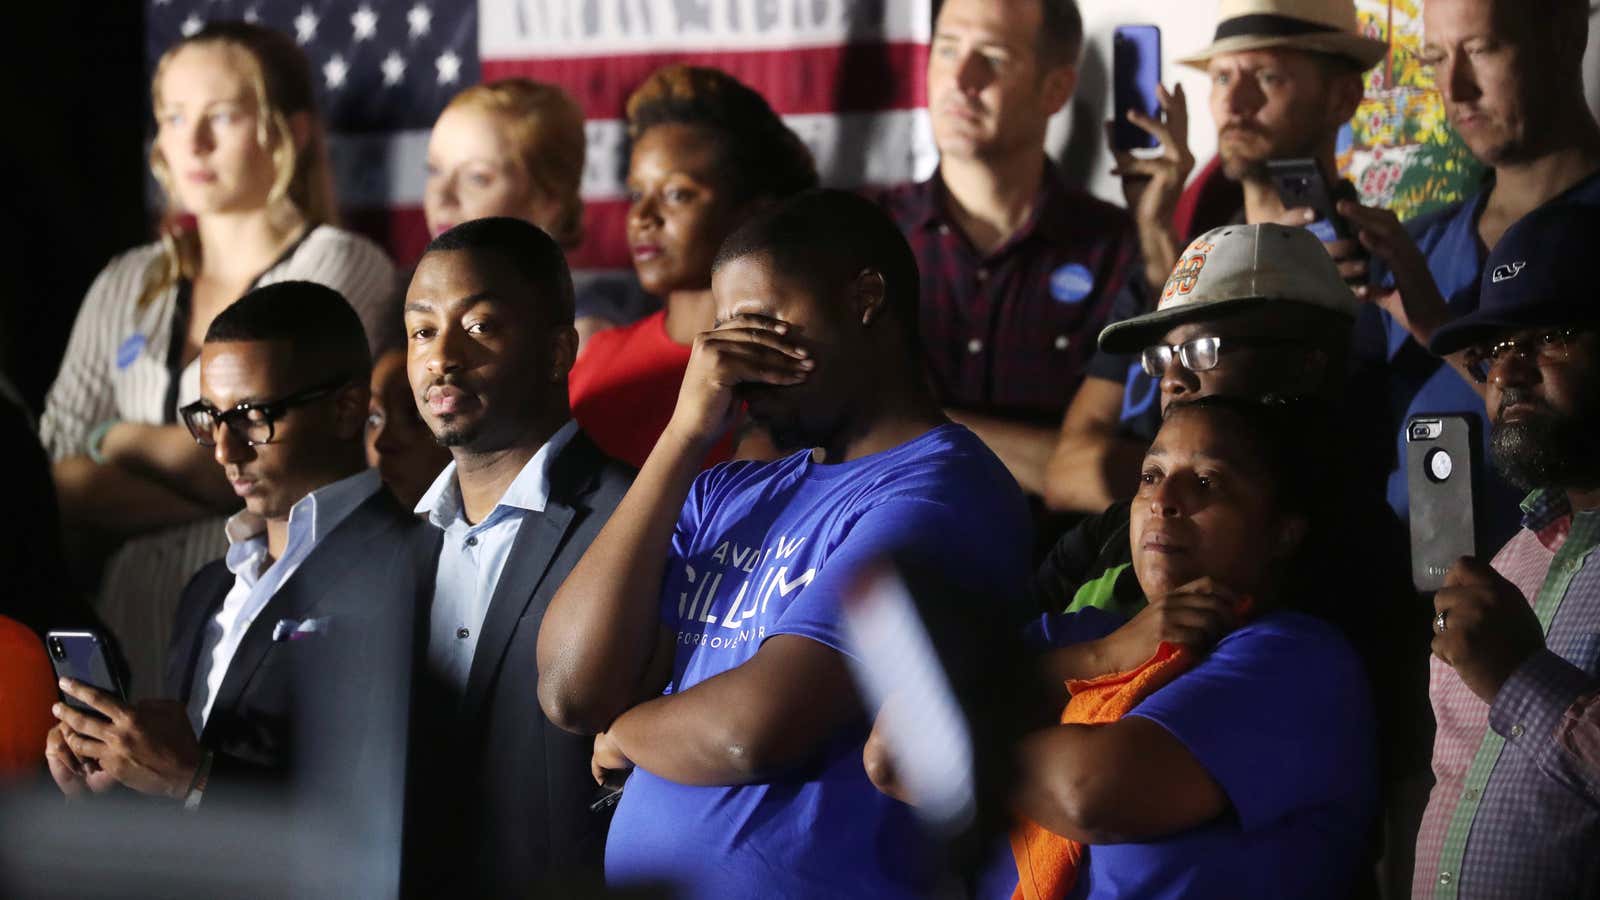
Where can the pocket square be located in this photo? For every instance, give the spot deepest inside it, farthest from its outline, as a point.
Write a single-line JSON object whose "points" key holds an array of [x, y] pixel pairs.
{"points": [[297, 629]]}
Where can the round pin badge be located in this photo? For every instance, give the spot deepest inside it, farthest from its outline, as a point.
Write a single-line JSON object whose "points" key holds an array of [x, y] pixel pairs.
{"points": [[129, 350], [1071, 283], [1139, 392]]}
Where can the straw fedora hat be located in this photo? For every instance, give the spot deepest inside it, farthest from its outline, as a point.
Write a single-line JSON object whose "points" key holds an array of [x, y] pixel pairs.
{"points": [[1321, 26]]}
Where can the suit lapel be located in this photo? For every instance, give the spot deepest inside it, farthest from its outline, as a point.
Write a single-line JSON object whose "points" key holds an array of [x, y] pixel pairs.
{"points": [[540, 538], [315, 579], [200, 602]]}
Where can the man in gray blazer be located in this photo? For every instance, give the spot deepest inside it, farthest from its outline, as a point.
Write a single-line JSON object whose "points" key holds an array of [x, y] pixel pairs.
{"points": [[501, 797]]}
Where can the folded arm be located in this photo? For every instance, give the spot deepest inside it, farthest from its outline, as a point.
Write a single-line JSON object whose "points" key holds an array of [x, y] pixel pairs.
{"points": [[601, 630], [597, 641], [169, 456], [108, 497], [1102, 784], [1091, 465], [769, 714], [1025, 449]]}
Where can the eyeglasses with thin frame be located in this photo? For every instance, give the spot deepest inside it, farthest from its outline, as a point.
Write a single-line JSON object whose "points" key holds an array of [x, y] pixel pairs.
{"points": [[1203, 353], [1542, 348], [255, 423]]}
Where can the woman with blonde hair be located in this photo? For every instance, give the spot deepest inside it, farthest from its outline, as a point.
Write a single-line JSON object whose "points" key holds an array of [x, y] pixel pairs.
{"points": [[516, 148], [240, 153]]}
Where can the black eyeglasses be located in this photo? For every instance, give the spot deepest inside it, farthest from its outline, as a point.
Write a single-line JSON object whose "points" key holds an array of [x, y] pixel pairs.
{"points": [[1543, 348], [253, 423], [1201, 354]]}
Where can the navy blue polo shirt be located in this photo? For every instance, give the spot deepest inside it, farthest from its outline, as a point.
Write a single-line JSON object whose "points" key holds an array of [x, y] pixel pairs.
{"points": [[1417, 382]]}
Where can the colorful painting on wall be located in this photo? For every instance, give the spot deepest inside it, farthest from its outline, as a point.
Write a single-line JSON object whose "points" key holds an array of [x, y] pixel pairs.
{"points": [[1398, 149]]}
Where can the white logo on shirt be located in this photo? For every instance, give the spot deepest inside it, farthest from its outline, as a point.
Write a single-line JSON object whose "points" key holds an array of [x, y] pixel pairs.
{"points": [[1507, 271], [698, 607]]}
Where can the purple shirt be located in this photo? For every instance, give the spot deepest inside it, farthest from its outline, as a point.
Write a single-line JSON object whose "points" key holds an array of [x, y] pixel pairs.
{"points": [[1012, 334]]}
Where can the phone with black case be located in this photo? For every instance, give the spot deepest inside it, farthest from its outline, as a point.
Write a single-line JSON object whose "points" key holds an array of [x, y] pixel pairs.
{"points": [[1442, 466], [84, 656], [1301, 182]]}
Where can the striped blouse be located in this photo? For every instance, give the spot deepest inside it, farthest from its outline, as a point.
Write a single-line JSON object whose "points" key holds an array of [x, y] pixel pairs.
{"points": [[116, 367]]}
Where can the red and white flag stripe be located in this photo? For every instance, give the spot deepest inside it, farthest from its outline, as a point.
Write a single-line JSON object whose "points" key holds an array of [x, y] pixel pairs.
{"points": [[846, 75]]}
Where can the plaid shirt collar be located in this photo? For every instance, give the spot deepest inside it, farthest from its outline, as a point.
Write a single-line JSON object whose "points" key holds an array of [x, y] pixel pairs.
{"points": [[1548, 514], [1048, 217]]}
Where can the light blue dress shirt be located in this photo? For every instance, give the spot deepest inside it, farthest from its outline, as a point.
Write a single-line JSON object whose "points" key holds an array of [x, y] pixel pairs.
{"points": [[255, 581], [473, 556]]}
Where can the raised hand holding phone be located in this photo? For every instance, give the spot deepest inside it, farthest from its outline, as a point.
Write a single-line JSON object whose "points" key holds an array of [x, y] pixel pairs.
{"points": [[1135, 85], [1146, 116]]}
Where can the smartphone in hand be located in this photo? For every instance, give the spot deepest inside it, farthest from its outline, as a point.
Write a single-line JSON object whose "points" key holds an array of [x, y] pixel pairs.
{"points": [[84, 656], [1135, 78], [1441, 466], [610, 793], [1300, 182]]}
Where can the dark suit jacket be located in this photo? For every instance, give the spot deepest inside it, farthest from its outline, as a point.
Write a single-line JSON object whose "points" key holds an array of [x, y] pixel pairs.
{"points": [[503, 808], [364, 578]]}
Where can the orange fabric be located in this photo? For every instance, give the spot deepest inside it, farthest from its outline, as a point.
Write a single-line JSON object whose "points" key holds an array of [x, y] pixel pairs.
{"points": [[1047, 863], [27, 691]]}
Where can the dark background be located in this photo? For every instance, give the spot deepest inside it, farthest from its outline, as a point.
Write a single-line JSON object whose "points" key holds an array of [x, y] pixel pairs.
{"points": [[75, 91]]}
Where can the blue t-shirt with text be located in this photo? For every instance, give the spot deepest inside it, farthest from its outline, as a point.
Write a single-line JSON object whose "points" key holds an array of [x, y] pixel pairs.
{"points": [[763, 549]]}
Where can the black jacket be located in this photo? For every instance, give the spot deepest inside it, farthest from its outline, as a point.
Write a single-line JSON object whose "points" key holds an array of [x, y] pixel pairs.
{"points": [[501, 796], [361, 582]]}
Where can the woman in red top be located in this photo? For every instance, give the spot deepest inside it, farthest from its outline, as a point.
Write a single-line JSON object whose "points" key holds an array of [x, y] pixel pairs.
{"points": [[707, 153]]}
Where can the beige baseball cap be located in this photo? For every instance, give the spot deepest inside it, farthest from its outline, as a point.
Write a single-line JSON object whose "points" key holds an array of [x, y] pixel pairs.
{"points": [[1320, 26], [1233, 267]]}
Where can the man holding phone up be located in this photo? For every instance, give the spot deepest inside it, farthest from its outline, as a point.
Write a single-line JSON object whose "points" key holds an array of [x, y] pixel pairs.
{"points": [[320, 554], [1515, 808], [1285, 77]]}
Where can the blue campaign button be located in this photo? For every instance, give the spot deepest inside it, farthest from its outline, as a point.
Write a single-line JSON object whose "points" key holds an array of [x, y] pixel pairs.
{"points": [[1139, 391], [1071, 283], [129, 350]]}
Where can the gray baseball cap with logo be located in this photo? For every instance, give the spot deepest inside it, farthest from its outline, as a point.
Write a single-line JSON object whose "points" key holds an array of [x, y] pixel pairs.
{"points": [[1230, 269]]}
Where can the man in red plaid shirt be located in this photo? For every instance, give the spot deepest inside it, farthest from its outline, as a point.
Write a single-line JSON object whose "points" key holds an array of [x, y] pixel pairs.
{"points": [[1019, 271]]}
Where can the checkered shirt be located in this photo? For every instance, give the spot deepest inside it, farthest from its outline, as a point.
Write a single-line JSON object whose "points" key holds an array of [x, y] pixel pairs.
{"points": [[1012, 334], [1515, 811]]}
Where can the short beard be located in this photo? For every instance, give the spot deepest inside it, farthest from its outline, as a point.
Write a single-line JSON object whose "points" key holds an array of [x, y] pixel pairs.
{"points": [[1547, 450], [457, 436], [1243, 170]]}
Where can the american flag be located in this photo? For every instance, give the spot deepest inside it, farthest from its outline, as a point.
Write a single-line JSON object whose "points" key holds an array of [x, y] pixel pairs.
{"points": [[847, 75]]}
